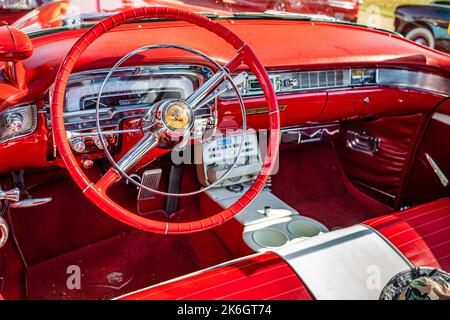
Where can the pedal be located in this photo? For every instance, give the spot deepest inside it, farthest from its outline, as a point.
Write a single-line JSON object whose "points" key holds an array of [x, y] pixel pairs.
{"points": [[150, 179]]}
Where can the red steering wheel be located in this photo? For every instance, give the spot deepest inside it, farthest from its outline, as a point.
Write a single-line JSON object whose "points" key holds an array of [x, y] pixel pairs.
{"points": [[97, 192]]}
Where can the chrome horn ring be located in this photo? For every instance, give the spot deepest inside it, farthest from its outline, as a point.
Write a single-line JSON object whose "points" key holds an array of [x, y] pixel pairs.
{"points": [[196, 96]]}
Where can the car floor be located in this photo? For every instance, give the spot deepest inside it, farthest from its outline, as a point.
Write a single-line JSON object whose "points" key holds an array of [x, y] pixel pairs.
{"points": [[311, 180], [113, 259]]}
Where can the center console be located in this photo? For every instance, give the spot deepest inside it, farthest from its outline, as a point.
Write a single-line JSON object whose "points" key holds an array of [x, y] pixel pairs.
{"points": [[268, 222], [219, 155]]}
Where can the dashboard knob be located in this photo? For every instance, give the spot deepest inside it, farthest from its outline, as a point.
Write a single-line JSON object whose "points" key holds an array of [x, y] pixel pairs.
{"points": [[15, 122], [87, 163], [78, 145], [98, 142]]}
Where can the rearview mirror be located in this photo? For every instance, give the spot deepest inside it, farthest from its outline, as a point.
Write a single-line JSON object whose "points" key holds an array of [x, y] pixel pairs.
{"points": [[15, 45]]}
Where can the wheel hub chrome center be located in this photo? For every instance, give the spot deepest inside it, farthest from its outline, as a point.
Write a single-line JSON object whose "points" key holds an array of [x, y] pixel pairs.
{"points": [[170, 116], [177, 116]]}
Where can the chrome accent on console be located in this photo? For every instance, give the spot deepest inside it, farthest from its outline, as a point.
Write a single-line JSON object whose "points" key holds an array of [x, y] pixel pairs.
{"points": [[440, 174], [362, 142]]}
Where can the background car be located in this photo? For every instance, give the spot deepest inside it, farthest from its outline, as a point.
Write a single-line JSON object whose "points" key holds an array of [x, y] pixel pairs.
{"points": [[425, 24], [341, 9], [53, 13], [11, 10]]}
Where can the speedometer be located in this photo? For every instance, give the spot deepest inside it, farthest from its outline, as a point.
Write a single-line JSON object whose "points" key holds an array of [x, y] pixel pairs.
{"points": [[129, 91]]}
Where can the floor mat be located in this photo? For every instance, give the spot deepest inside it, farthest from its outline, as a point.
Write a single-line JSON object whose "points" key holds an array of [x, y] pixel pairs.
{"points": [[310, 179], [112, 267]]}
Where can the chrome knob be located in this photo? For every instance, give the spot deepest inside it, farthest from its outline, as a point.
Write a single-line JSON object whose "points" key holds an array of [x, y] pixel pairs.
{"points": [[77, 145], [15, 122], [87, 163], [10, 195], [98, 142], [267, 210]]}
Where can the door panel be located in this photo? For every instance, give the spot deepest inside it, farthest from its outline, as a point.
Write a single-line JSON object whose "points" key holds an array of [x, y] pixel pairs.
{"points": [[380, 172], [431, 165]]}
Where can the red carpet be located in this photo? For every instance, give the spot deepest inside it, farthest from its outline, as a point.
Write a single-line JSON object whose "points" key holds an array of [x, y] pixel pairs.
{"points": [[122, 264], [310, 180], [72, 231]]}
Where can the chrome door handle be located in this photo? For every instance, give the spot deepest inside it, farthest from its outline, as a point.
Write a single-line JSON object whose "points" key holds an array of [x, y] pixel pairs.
{"points": [[362, 142]]}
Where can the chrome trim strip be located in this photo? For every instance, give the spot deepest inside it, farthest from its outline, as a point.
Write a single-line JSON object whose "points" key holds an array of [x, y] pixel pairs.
{"points": [[385, 77], [440, 174], [414, 79], [443, 118]]}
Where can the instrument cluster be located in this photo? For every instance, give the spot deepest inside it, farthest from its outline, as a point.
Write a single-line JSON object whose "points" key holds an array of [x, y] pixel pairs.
{"points": [[129, 93]]}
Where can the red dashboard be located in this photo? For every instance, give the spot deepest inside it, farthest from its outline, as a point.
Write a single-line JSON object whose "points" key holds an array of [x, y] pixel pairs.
{"points": [[310, 46]]}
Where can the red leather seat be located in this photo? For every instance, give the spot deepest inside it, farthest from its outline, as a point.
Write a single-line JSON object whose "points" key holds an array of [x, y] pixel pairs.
{"points": [[421, 233], [261, 277]]}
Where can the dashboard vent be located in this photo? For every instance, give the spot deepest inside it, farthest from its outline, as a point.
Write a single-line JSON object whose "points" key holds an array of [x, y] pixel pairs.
{"points": [[323, 79], [287, 82]]}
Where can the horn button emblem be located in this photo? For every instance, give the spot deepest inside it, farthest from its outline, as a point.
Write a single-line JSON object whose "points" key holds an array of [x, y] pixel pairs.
{"points": [[177, 116], [170, 120]]}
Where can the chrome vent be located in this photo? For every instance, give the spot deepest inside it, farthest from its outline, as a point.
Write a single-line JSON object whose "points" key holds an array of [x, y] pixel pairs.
{"points": [[17, 121], [323, 79]]}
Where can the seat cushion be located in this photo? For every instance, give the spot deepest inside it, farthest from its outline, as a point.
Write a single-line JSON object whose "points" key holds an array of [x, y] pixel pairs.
{"points": [[258, 277], [421, 233]]}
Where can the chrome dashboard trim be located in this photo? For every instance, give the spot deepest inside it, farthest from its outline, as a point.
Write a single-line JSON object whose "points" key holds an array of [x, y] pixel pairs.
{"points": [[385, 77], [417, 80], [34, 114]]}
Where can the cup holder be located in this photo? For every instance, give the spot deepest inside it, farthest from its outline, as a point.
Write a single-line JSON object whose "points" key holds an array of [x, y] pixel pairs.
{"points": [[270, 238], [303, 229]]}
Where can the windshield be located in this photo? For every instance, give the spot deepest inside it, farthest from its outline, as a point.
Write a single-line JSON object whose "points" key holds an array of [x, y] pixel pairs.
{"points": [[419, 20]]}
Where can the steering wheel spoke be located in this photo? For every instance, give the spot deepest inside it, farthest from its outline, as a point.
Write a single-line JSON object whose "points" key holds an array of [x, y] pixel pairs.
{"points": [[137, 152], [216, 85], [207, 88]]}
